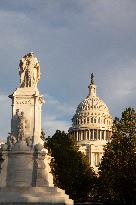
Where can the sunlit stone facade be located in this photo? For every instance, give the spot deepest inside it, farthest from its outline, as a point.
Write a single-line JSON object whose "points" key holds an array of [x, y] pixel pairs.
{"points": [[92, 126]]}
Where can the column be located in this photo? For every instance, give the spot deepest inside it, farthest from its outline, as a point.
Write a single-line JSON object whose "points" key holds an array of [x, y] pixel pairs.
{"points": [[93, 134], [86, 134], [81, 134], [97, 134], [104, 134], [77, 136], [100, 135], [89, 134], [89, 153]]}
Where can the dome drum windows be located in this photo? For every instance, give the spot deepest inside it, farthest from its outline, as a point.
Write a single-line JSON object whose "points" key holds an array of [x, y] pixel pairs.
{"points": [[91, 134], [79, 135], [102, 134], [95, 134], [88, 134], [84, 134], [99, 134]]}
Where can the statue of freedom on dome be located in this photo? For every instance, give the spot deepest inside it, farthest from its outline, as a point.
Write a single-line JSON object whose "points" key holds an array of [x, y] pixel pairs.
{"points": [[29, 71], [92, 78]]}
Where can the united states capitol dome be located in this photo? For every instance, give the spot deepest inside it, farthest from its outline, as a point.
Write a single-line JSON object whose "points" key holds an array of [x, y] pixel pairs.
{"points": [[92, 126], [92, 120]]}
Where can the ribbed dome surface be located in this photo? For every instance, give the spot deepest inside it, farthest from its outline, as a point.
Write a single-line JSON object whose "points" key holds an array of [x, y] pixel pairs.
{"points": [[92, 103], [92, 112]]}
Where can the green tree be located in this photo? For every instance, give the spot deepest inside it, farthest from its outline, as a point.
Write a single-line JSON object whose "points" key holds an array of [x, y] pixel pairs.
{"points": [[70, 168], [117, 171]]}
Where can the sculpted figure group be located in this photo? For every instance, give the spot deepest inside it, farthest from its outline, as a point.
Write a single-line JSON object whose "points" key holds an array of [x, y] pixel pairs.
{"points": [[21, 125], [29, 71]]}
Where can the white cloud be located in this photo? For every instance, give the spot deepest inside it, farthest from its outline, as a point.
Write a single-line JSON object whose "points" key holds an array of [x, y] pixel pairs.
{"points": [[13, 26], [59, 107], [120, 88], [51, 124], [116, 14], [56, 115]]}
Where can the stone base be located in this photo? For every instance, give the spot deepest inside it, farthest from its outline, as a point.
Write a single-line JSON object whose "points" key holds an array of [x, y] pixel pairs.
{"points": [[24, 178], [33, 195]]}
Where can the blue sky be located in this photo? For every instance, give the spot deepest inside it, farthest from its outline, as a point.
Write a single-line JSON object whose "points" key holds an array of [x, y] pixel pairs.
{"points": [[71, 39]]}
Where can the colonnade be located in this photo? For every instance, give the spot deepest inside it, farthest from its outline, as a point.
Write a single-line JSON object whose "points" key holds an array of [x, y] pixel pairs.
{"points": [[91, 134]]}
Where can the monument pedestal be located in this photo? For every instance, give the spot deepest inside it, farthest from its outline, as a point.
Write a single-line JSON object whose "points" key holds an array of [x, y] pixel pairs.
{"points": [[34, 195], [24, 179], [29, 102]]}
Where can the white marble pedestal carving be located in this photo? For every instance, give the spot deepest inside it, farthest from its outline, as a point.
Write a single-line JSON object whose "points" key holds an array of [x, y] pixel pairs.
{"points": [[29, 101]]}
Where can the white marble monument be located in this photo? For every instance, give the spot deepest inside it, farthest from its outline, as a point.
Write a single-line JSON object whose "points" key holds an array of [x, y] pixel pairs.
{"points": [[27, 102], [24, 167]]}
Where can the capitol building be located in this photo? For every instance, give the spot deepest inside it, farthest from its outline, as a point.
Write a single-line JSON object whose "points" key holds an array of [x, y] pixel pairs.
{"points": [[92, 126]]}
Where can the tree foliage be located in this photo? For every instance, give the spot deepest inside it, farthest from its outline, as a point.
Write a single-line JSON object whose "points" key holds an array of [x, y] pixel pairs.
{"points": [[70, 168], [117, 171]]}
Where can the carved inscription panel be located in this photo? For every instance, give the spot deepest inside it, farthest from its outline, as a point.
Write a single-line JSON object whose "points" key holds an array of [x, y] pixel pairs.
{"points": [[24, 102]]}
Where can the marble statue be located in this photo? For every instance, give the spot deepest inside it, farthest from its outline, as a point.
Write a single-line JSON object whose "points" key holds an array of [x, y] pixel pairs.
{"points": [[21, 127], [29, 71], [11, 140], [19, 132]]}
